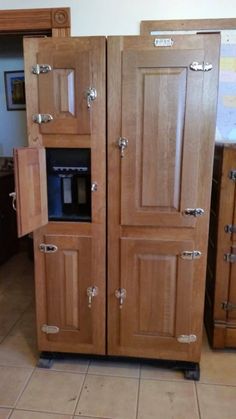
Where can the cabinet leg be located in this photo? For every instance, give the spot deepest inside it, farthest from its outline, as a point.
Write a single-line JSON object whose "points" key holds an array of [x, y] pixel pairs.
{"points": [[45, 360]]}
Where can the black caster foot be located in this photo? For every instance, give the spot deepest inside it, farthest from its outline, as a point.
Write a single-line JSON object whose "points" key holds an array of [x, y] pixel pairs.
{"points": [[192, 373], [45, 361]]}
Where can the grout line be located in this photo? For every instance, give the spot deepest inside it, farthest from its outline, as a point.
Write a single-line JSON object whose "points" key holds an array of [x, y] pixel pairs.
{"points": [[79, 395], [139, 383], [198, 402], [24, 387], [15, 324]]}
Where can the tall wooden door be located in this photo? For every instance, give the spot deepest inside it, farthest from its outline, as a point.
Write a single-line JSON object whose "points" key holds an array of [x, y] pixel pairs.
{"points": [[65, 95], [160, 156]]}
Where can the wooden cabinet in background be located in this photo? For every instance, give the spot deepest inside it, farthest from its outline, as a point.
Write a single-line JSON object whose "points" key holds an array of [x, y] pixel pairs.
{"points": [[220, 305]]}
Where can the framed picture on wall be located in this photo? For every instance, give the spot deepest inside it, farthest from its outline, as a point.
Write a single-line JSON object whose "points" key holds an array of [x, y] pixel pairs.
{"points": [[15, 90]]}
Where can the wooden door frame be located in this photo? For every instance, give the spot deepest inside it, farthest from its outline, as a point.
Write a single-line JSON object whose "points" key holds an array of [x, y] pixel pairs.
{"points": [[54, 20], [147, 26]]}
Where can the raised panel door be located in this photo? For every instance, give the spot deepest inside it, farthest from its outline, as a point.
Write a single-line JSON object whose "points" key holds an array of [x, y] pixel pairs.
{"points": [[62, 282]]}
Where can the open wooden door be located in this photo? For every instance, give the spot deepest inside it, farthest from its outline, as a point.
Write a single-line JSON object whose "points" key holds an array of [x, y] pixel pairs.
{"points": [[160, 153], [31, 189]]}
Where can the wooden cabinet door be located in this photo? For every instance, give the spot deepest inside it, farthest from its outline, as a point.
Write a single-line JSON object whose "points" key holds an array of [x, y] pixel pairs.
{"points": [[71, 68], [31, 189], [63, 279], [165, 120]]}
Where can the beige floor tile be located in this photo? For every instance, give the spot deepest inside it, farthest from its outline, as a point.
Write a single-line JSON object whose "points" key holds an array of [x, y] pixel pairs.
{"points": [[167, 400], [51, 391], [157, 373], [71, 365], [5, 413], [89, 417], [108, 397], [26, 325], [114, 368], [218, 367], [8, 318], [26, 414], [217, 402], [12, 383], [18, 351]]}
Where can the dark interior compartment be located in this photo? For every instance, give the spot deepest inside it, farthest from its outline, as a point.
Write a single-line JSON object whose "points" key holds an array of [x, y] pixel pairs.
{"points": [[69, 184]]}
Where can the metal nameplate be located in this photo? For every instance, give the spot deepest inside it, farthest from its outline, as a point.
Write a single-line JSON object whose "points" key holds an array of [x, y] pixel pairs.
{"points": [[163, 42]]}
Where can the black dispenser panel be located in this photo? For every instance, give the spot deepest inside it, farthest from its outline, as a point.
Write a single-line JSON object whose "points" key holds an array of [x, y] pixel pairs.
{"points": [[69, 184]]}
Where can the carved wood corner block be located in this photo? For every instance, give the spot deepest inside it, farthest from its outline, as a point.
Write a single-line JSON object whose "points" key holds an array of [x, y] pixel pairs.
{"points": [[60, 18]]}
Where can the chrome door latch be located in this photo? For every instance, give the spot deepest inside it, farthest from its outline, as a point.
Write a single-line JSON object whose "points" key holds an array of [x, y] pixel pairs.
{"points": [[196, 66], [194, 212], [187, 338], [232, 175], [121, 293], [50, 329], [42, 118], [230, 257], [48, 248], [122, 144], [13, 196], [227, 306], [41, 69], [188, 255], [91, 293], [91, 95]]}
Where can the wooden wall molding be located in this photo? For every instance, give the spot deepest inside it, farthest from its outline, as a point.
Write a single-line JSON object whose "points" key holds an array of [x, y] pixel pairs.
{"points": [[36, 19], [147, 26]]}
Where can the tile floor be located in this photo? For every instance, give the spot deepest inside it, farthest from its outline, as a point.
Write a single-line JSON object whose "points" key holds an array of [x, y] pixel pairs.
{"points": [[92, 389]]}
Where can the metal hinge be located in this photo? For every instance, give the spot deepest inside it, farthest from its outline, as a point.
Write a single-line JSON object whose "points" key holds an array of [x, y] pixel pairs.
{"points": [[50, 329], [227, 306], [230, 257], [190, 255], [232, 175], [47, 248], [187, 338], [163, 42], [196, 66], [42, 118], [41, 68], [230, 228], [194, 212]]}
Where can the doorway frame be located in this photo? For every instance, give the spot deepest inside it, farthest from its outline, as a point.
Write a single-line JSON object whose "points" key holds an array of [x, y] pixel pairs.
{"points": [[56, 20]]}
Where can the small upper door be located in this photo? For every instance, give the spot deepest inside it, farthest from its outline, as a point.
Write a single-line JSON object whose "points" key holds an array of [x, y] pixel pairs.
{"points": [[162, 108], [31, 189], [67, 76]]}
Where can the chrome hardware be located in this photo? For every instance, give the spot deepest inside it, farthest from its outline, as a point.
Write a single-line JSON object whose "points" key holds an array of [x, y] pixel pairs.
{"points": [[48, 248], [42, 118], [232, 175], [187, 338], [91, 293], [227, 306], [50, 329], [41, 68], [94, 187], [163, 42], [91, 95], [230, 228], [13, 196], [188, 255], [195, 66], [122, 144], [194, 212], [230, 257], [120, 293]]}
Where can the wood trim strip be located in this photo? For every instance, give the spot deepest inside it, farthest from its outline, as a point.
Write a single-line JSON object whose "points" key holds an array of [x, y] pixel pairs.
{"points": [[147, 26], [32, 19]]}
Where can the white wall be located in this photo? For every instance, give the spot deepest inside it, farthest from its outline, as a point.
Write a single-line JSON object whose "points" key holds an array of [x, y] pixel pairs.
{"points": [[12, 123], [122, 17]]}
